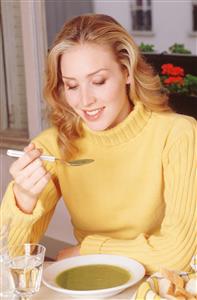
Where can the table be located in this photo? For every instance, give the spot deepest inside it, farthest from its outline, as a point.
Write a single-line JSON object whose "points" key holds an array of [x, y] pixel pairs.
{"points": [[49, 294]]}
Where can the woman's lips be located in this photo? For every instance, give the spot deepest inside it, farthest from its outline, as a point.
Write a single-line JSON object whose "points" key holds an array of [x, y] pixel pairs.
{"points": [[94, 114]]}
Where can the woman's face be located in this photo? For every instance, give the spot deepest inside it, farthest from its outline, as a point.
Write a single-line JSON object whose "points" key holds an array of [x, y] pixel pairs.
{"points": [[95, 85]]}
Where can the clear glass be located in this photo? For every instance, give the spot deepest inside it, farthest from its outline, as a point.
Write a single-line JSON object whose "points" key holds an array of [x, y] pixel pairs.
{"points": [[6, 283], [26, 264]]}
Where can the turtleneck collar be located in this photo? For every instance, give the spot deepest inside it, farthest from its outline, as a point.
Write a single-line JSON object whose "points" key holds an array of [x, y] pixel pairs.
{"points": [[127, 129]]}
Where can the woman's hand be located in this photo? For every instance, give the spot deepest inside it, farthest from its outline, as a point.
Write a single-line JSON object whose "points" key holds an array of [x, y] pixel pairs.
{"points": [[68, 252], [30, 178]]}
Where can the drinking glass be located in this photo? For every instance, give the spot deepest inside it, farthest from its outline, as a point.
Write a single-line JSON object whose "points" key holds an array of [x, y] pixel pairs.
{"points": [[6, 283], [26, 264]]}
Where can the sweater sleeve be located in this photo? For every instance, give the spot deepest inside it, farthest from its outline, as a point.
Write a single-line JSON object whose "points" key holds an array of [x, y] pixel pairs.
{"points": [[175, 244], [30, 227]]}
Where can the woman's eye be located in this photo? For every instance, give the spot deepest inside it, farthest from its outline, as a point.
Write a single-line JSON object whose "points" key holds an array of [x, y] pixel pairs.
{"points": [[99, 82], [71, 87]]}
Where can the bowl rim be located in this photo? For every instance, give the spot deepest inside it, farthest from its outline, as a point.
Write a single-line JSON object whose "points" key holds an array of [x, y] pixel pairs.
{"points": [[132, 281]]}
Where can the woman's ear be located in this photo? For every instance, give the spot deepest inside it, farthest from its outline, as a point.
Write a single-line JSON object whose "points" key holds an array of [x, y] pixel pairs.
{"points": [[127, 76], [128, 80]]}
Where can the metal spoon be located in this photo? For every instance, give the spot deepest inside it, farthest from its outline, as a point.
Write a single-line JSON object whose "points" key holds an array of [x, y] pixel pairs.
{"points": [[73, 163]]}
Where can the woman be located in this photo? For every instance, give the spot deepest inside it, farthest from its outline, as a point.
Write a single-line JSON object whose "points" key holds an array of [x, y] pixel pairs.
{"points": [[138, 196]]}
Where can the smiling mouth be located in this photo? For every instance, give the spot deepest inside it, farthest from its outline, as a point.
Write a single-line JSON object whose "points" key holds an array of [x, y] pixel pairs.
{"points": [[92, 115]]}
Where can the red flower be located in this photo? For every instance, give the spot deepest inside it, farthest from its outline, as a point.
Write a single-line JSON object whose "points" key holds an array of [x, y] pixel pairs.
{"points": [[174, 80], [177, 71], [170, 69], [166, 69]]}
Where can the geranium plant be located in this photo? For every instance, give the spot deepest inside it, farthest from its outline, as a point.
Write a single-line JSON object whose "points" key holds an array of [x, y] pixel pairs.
{"points": [[174, 80], [179, 48], [146, 47]]}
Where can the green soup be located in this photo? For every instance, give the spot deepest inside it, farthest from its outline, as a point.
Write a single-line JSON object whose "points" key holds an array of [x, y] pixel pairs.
{"points": [[92, 277]]}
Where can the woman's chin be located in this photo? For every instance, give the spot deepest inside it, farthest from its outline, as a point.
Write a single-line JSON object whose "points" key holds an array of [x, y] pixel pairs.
{"points": [[97, 126]]}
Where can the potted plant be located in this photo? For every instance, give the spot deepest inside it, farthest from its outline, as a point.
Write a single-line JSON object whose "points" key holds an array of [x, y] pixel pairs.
{"points": [[146, 48], [179, 48], [181, 87]]}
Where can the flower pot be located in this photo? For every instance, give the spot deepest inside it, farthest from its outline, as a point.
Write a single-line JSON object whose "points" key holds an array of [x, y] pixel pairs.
{"points": [[187, 61], [184, 104]]}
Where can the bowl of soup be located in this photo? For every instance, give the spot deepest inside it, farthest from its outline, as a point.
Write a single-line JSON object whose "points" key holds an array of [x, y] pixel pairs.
{"points": [[89, 276]]}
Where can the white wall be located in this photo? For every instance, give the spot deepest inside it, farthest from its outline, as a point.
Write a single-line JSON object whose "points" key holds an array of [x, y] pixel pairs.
{"points": [[5, 177], [60, 227], [117, 9], [172, 22]]}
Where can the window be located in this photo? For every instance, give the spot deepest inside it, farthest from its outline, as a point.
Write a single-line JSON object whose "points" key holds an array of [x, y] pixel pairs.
{"points": [[141, 14], [194, 16], [13, 96], [22, 55]]}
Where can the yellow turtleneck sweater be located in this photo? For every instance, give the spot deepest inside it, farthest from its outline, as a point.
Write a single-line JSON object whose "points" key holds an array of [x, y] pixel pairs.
{"points": [[137, 199]]}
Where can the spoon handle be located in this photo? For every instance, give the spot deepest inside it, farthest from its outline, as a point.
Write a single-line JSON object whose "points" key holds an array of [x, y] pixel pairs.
{"points": [[17, 153], [74, 163]]}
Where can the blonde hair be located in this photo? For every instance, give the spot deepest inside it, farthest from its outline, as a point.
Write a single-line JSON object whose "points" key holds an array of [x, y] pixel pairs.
{"points": [[102, 30]]}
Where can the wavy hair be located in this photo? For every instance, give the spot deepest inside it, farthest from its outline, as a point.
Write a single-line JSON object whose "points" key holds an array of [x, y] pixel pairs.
{"points": [[101, 30]]}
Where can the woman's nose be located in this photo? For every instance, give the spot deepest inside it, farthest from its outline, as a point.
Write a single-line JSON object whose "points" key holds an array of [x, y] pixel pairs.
{"points": [[87, 98]]}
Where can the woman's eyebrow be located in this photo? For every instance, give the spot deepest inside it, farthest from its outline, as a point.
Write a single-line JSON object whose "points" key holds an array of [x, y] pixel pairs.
{"points": [[89, 75]]}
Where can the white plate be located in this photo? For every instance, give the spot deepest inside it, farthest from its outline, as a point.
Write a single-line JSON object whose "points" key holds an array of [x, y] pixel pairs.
{"points": [[136, 270]]}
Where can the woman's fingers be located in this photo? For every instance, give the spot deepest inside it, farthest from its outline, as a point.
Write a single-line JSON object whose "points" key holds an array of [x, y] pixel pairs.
{"points": [[24, 161], [35, 187], [29, 170], [37, 175], [28, 182], [28, 157], [30, 178], [40, 185]]}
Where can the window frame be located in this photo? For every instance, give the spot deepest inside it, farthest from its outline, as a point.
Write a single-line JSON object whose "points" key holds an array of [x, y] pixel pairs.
{"points": [[194, 3], [134, 8], [34, 38]]}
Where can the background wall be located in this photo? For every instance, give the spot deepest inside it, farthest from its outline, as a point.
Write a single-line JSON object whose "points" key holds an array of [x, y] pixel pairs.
{"points": [[59, 11], [119, 10], [5, 177], [172, 22]]}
